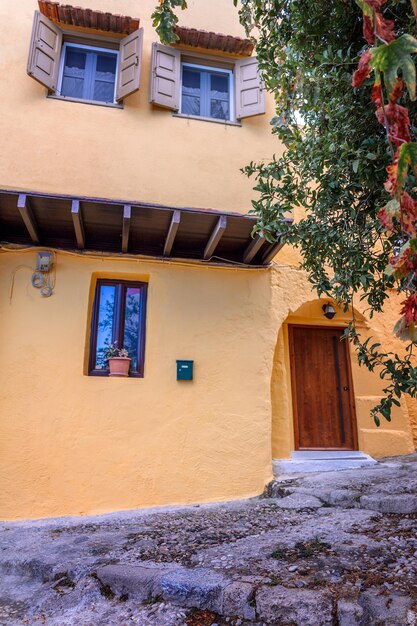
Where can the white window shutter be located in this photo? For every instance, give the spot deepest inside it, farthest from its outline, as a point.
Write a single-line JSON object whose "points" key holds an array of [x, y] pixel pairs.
{"points": [[250, 90], [166, 77], [130, 61], [44, 51]]}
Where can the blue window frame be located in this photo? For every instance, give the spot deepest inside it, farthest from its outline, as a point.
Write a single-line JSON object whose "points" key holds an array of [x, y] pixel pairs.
{"points": [[206, 92], [88, 73]]}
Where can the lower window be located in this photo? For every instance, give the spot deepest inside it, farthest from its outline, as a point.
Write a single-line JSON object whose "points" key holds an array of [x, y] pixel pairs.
{"points": [[118, 317]]}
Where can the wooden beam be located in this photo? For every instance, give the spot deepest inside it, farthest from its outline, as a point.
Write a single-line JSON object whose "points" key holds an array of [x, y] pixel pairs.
{"points": [[28, 217], [271, 252], [127, 213], [77, 220], [215, 237], [254, 247], [172, 231]]}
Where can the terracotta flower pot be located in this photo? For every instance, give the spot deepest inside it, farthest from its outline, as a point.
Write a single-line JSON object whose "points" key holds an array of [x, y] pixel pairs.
{"points": [[119, 366]]}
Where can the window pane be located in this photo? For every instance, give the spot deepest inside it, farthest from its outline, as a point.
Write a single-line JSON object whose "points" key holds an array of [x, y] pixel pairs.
{"points": [[105, 78], [219, 96], [105, 323], [72, 87], [191, 91], [131, 336], [106, 67], [219, 109], [74, 73], [75, 62], [103, 92]]}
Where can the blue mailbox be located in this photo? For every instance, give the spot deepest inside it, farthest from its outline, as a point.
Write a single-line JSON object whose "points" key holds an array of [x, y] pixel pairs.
{"points": [[184, 370]]}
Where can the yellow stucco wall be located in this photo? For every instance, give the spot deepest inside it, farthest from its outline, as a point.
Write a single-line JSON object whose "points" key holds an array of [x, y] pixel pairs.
{"points": [[140, 152], [73, 444]]}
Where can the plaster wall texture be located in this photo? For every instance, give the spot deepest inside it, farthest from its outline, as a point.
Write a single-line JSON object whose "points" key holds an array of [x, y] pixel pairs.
{"points": [[74, 444], [138, 153]]}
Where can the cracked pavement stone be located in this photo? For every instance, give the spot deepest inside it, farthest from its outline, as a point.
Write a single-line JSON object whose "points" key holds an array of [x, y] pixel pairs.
{"points": [[317, 547]]}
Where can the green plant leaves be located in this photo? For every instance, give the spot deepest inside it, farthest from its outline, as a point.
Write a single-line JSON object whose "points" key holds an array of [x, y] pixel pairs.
{"points": [[396, 55], [164, 19], [407, 157]]}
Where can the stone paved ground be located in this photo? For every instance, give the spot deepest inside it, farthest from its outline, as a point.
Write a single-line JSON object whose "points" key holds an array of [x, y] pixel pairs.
{"points": [[335, 548]]}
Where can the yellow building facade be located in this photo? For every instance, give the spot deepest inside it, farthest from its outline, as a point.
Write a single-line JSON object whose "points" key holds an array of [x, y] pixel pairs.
{"points": [[152, 177]]}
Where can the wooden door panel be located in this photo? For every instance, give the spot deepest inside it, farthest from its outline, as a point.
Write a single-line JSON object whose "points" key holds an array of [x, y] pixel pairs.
{"points": [[321, 382]]}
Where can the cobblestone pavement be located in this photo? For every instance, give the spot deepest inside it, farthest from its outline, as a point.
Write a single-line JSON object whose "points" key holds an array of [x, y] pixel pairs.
{"points": [[336, 548]]}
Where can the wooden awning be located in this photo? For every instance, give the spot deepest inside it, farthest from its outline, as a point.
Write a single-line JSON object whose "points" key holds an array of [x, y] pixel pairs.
{"points": [[135, 228], [67, 16], [214, 41]]}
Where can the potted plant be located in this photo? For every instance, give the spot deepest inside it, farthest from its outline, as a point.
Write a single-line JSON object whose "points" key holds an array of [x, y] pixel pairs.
{"points": [[118, 360]]}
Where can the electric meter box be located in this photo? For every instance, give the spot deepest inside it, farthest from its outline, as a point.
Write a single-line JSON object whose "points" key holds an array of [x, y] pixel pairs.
{"points": [[44, 261]]}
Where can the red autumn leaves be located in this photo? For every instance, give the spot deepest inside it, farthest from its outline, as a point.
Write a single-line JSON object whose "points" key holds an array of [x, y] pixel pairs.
{"points": [[402, 209]]}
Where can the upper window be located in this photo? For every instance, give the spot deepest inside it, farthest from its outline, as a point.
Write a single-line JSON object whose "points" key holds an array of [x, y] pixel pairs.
{"points": [[206, 87], [206, 92], [84, 72], [119, 316], [88, 73]]}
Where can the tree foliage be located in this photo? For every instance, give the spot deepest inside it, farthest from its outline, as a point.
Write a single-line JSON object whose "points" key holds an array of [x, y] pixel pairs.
{"points": [[357, 233]]}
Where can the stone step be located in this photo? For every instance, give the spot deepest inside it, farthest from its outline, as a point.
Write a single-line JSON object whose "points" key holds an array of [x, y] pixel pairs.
{"points": [[321, 461], [308, 455]]}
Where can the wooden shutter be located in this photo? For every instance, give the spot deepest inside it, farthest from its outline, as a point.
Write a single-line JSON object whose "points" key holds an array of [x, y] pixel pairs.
{"points": [[165, 77], [250, 96], [130, 61], [44, 51]]}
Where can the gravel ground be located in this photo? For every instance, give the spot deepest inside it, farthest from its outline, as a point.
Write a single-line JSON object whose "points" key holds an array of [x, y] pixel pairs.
{"points": [[349, 534]]}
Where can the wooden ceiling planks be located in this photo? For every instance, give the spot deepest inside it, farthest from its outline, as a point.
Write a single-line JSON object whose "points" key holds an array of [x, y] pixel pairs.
{"points": [[161, 231]]}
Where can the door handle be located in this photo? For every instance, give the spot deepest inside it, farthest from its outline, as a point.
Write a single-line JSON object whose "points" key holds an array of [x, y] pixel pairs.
{"points": [[345, 388]]}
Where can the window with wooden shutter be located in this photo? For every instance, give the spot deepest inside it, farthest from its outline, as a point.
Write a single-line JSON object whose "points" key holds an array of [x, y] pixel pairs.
{"points": [[88, 74], [45, 51], [165, 77], [130, 61], [77, 68], [250, 97]]}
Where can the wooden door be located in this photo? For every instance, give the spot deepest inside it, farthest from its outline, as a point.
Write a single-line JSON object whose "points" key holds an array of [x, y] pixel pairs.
{"points": [[323, 405]]}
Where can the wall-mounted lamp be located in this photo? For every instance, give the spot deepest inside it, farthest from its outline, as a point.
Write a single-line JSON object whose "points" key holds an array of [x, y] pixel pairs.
{"points": [[329, 311]]}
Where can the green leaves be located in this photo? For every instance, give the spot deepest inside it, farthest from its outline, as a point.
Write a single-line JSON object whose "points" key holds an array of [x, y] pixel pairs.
{"points": [[404, 332], [394, 56], [164, 19], [407, 157]]}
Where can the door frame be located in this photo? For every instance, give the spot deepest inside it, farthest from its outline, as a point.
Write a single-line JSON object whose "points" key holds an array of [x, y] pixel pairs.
{"points": [[294, 383]]}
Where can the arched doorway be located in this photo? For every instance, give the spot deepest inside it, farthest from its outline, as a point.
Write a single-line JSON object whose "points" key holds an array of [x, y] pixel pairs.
{"points": [[307, 390]]}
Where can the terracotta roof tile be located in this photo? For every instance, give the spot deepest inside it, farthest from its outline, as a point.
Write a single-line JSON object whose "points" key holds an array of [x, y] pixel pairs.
{"points": [[214, 41], [67, 15]]}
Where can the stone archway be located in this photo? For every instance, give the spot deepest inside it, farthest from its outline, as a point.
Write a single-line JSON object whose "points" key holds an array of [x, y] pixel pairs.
{"points": [[389, 439]]}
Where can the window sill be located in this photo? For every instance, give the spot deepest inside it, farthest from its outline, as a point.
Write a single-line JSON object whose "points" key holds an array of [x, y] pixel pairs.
{"points": [[105, 374], [114, 105], [207, 119]]}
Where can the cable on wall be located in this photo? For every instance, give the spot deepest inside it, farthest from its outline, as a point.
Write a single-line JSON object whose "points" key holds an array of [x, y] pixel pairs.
{"points": [[44, 276]]}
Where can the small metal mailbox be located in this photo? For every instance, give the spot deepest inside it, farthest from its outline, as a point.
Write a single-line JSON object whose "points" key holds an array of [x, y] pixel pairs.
{"points": [[185, 370]]}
